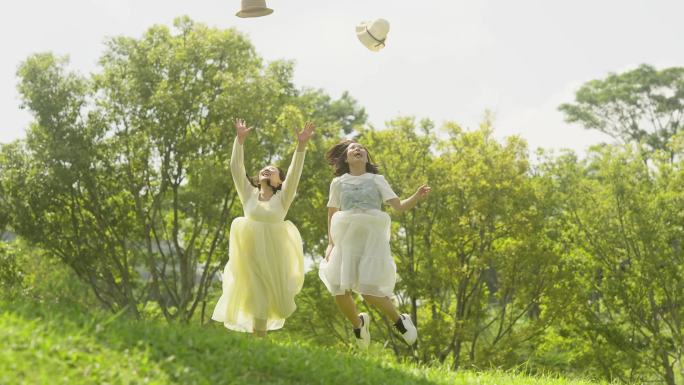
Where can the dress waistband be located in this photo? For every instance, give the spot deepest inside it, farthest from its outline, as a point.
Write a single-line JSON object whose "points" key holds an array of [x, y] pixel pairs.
{"points": [[271, 221], [361, 211]]}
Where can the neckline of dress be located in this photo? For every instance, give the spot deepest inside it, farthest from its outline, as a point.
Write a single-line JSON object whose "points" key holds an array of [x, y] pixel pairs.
{"points": [[269, 199], [357, 176]]}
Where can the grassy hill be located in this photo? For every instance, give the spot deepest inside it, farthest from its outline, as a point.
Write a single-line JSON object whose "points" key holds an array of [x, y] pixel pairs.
{"points": [[54, 345]]}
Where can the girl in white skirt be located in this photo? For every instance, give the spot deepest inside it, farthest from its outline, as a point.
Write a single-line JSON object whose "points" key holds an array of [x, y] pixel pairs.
{"points": [[266, 266], [358, 256]]}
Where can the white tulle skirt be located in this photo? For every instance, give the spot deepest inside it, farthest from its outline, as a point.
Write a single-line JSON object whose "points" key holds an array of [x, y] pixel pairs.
{"points": [[361, 260]]}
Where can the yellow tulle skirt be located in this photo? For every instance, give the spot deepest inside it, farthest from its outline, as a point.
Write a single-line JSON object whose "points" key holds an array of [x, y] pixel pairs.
{"points": [[264, 273]]}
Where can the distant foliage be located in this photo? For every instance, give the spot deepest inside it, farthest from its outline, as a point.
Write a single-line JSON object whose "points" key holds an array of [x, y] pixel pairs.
{"points": [[553, 264], [124, 174]]}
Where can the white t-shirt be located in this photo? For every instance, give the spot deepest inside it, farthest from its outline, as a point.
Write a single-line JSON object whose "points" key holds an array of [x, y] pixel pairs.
{"points": [[366, 191]]}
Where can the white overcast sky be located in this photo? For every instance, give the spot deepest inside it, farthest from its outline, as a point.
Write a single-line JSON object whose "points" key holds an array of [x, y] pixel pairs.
{"points": [[444, 60]]}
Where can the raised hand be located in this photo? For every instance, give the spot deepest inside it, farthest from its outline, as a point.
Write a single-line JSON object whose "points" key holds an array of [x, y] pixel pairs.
{"points": [[423, 191], [305, 134], [242, 130]]}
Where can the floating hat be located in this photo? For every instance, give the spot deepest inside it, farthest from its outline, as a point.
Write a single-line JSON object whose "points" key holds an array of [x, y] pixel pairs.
{"points": [[373, 34], [254, 8]]}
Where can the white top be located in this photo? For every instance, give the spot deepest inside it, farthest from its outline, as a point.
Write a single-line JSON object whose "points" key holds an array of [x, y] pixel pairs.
{"points": [[366, 191]]}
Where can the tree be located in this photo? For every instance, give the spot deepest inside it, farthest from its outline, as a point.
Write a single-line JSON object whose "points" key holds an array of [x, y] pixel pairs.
{"points": [[124, 175], [478, 269], [622, 229], [495, 270], [639, 105]]}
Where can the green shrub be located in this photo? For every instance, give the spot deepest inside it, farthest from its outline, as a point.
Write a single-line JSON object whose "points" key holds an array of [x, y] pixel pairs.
{"points": [[11, 276]]}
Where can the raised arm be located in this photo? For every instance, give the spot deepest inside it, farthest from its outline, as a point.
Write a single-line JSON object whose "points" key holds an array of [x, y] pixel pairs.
{"points": [[407, 204], [237, 161], [294, 172]]}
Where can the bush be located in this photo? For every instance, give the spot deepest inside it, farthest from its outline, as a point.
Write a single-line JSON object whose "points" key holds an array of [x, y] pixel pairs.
{"points": [[11, 276], [29, 272]]}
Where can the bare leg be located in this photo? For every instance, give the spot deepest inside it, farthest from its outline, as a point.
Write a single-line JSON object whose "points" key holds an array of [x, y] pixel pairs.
{"points": [[259, 327], [384, 304], [346, 304]]}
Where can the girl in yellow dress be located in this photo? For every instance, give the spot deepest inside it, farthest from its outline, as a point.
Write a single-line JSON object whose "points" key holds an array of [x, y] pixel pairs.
{"points": [[266, 266]]}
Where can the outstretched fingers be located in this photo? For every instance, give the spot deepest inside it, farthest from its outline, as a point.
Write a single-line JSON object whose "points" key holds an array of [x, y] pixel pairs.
{"points": [[424, 190], [241, 126], [306, 132], [309, 127]]}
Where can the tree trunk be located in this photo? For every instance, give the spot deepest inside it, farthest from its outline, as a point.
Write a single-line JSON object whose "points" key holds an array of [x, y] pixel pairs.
{"points": [[457, 355], [667, 368]]}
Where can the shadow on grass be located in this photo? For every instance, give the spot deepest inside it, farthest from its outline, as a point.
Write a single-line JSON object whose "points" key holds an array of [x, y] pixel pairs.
{"points": [[191, 354]]}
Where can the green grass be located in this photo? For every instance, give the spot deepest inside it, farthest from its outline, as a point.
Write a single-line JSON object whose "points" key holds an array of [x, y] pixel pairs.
{"points": [[58, 345]]}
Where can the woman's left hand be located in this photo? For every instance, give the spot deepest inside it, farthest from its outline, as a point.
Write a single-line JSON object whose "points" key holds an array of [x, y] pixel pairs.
{"points": [[306, 133], [423, 191]]}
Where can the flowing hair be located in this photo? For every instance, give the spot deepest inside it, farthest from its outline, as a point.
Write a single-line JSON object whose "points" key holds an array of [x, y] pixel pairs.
{"points": [[337, 158]]}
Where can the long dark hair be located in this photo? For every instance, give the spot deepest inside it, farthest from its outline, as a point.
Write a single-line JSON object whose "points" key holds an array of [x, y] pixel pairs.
{"points": [[337, 158], [254, 181]]}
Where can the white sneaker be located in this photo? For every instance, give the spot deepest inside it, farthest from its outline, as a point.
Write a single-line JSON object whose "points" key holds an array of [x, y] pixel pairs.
{"points": [[406, 328], [364, 339]]}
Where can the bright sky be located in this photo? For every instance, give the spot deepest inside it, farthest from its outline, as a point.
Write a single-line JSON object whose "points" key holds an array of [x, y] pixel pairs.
{"points": [[444, 60]]}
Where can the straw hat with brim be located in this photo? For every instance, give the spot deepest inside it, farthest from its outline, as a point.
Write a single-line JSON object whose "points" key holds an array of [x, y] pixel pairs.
{"points": [[373, 34], [254, 8]]}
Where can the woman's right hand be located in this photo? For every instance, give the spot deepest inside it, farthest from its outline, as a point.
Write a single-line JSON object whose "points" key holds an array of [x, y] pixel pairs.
{"points": [[305, 134], [242, 130]]}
